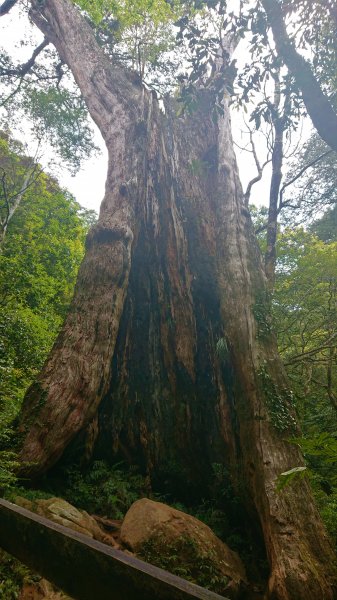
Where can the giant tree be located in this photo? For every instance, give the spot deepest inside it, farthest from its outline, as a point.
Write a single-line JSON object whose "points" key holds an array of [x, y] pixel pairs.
{"points": [[167, 354]]}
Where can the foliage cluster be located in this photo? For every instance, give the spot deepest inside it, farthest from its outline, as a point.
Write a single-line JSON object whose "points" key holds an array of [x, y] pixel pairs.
{"points": [[40, 257], [305, 319], [59, 116], [102, 489], [56, 112], [320, 451], [261, 311], [140, 35], [278, 402], [12, 575]]}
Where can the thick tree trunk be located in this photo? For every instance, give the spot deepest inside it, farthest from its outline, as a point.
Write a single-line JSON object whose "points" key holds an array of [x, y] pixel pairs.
{"points": [[172, 271]]}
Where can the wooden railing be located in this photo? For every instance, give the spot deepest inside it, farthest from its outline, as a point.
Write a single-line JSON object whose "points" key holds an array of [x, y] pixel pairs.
{"points": [[84, 568]]}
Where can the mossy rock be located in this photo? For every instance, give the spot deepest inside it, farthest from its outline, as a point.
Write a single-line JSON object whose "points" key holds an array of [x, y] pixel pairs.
{"points": [[183, 545]]}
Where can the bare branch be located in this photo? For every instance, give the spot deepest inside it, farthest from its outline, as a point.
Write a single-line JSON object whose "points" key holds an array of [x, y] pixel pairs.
{"points": [[255, 179], [12, 94], [22, 70], [30, 63], [298, 175], [259, 167], [310, 353]]}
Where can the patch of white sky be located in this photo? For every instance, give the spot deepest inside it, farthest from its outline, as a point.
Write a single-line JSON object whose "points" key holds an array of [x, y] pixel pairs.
{"points": [[88, 184]]}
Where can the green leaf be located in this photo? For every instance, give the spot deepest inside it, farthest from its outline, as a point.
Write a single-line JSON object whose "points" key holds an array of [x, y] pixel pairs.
{"points": [[287, 477]]}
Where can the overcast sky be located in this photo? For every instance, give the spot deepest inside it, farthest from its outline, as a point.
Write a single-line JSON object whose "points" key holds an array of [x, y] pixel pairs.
{"points": [[88, 185]]}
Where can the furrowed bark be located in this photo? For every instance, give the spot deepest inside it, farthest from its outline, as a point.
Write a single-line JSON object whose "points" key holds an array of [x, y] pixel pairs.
{"points": [[301, 558], [68, 392], [172, 268]]}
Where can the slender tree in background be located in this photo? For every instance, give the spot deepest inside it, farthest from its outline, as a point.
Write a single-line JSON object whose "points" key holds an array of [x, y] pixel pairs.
{"points": [[319, 105], [17, 174], [305, 86], [167, 356]]}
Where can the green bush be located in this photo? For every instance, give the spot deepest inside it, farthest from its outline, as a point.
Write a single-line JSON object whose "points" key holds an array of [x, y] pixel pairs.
{"points": [[12, 576], [103, 489]]}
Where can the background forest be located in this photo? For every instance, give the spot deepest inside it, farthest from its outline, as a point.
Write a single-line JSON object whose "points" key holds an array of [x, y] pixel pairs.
{"points": [[43, 229]]}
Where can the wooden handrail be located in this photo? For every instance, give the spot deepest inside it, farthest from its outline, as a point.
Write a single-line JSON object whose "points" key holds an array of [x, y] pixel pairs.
{"points": [[84, 568]]}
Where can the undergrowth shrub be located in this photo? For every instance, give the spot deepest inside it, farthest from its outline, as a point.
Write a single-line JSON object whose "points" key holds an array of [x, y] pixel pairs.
{"points": [[12, 575], [103, 489]]}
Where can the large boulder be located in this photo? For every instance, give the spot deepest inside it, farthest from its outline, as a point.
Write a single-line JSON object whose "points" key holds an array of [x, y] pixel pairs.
{"points": [[65, 514], [183, 545]]}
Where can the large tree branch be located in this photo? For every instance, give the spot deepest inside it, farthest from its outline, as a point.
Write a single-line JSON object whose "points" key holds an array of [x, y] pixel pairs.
{"points": [[317, 104], [7, 6], [23, 69], [116, 94]]}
